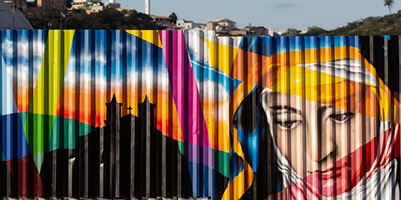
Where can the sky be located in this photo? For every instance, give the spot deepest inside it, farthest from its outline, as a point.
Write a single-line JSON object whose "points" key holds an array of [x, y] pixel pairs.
{"points": [[280, 14]]}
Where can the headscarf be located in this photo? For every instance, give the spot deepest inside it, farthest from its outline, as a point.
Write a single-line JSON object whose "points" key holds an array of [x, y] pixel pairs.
{"points": [[331, 71]]}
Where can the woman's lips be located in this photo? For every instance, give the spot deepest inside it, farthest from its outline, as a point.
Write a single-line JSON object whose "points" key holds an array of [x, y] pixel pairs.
{"points": [[333, 172], [332, 177]]}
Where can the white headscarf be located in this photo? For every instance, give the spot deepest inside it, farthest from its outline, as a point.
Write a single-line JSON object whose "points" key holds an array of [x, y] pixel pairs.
{"points": [[381, 183]]}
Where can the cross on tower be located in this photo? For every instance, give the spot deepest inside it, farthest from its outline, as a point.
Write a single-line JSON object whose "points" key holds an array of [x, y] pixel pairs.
{"points": [[129, 109]]}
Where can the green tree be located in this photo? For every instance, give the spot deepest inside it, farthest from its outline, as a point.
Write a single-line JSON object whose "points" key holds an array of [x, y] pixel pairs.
{"points": [[173, 18], [389, 4], [292, 32], [315, 30], [107, 19]]}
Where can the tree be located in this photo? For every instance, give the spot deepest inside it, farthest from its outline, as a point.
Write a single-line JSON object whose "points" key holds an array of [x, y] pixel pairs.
{"points": [[315, 30], [389, 4], [292, 32], [107, 19], [173, 18]]}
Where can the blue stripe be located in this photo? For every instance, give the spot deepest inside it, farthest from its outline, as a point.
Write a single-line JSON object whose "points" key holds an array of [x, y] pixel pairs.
{"points": [[269, 46], [211, 74]]}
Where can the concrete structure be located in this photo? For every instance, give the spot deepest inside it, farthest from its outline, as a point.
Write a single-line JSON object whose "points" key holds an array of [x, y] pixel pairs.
{"points": [[184, 24], [163, 22], [92, 7], [50, 8], [273, 32], [260, 31], [12, 18], [147, 7], [222, 27], [51, 4], [79, 4], [112, 4], [238, 32], [224, 24], [95, 8]]}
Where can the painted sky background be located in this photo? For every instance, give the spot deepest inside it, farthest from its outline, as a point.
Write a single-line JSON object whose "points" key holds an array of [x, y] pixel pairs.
{"points": [[271, 13]]}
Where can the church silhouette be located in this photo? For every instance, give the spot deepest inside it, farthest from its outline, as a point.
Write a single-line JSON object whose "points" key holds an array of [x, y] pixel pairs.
{"points": [[128, 157]]}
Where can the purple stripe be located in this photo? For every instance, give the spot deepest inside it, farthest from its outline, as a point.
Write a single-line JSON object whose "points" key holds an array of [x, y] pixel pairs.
{"points": [[185, 94]]}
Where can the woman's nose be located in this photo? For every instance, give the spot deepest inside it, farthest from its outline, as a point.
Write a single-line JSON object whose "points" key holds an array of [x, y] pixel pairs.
{"points": [[321, 142]]}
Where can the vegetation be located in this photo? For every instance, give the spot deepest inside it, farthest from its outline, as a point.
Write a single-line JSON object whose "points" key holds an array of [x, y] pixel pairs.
{"points": [[389, 4], [107, 19], [386, 25], [130, 19], [173, 18], [315, 30], [292, 31]]}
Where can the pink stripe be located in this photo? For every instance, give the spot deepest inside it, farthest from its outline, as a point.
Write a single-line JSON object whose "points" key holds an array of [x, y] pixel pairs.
{"points": [[185, 93]]}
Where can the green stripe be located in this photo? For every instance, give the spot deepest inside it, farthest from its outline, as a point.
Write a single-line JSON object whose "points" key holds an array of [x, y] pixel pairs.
{"points": [[47, 90], [67, 134], [223, 162]]}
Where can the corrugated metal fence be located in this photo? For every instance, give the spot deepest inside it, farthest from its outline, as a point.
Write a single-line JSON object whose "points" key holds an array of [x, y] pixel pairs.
{"points": [[132, 114]]}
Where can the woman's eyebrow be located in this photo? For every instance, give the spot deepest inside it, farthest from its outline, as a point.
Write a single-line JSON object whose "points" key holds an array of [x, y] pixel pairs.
{"points": [[288, 108]]}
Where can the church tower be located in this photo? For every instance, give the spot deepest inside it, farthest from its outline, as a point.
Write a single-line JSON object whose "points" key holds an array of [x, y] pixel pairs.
{"points": [[113, 115], [145, 113], [112, 147]]}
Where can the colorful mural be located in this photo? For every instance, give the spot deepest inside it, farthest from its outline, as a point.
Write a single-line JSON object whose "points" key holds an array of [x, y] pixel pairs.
{"points": [[132, 114]]}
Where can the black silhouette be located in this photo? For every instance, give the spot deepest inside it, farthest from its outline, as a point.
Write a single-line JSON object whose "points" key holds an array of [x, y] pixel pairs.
{"points": [[126, 158]]}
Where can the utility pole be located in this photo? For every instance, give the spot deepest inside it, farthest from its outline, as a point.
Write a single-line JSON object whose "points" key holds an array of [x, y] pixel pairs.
{"points": [[44, 5], [13, 11], [61, 19], [62, 15]]}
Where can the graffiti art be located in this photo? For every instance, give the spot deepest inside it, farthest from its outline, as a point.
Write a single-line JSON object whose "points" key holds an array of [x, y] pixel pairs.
{"points": [[166, 114]]}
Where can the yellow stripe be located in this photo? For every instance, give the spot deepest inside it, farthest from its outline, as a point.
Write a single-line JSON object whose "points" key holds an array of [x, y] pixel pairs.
{"points": [[221, 56], [49, 80], [243, 181], [148, 36], [52, 65]]}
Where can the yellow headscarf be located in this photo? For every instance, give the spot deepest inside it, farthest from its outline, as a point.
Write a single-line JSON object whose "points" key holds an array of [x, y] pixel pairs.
{"points": [[338, 76]]}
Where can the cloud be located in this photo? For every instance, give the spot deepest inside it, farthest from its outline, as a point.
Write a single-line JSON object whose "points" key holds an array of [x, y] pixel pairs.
{"points": [[211, 88], [147, 78], [22, 73], [22, 47], [85, 80], [285, 5]]}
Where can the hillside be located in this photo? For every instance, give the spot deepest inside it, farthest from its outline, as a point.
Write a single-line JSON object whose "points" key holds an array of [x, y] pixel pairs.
{"points": [[382, 25], [106, 19]]}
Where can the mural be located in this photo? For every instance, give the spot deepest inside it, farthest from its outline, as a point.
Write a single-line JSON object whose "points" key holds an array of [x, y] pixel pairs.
{"points": [[132, 114]]}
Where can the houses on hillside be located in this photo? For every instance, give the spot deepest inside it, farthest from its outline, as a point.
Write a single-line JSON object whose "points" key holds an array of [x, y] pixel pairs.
{"points": [[59, 8], [227, 27]]}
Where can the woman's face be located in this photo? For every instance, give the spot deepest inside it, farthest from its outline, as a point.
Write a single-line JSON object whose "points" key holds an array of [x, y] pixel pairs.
{"points": [[313, 136]]}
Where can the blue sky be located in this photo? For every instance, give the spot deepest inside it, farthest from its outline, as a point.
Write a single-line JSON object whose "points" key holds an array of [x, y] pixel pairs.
{"points": [[269, 13]]}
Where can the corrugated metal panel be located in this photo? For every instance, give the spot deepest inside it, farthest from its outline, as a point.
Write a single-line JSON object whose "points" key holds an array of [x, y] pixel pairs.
{"points": [[132, 114]]}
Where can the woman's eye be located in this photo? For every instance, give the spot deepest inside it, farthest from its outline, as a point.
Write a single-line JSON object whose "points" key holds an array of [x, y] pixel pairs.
{"points": [[342, 117], [288, 124]]}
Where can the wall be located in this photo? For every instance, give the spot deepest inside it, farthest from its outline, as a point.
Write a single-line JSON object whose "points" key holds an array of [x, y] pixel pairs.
{"points": [[131, 114]]}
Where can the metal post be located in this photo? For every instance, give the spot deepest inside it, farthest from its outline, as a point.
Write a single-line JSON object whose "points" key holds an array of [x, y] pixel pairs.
{"points": [[13, 11], [61, 18]]}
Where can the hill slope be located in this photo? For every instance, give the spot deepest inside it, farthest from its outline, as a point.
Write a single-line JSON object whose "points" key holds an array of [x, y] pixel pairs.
{"points": [[382, 25]]}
